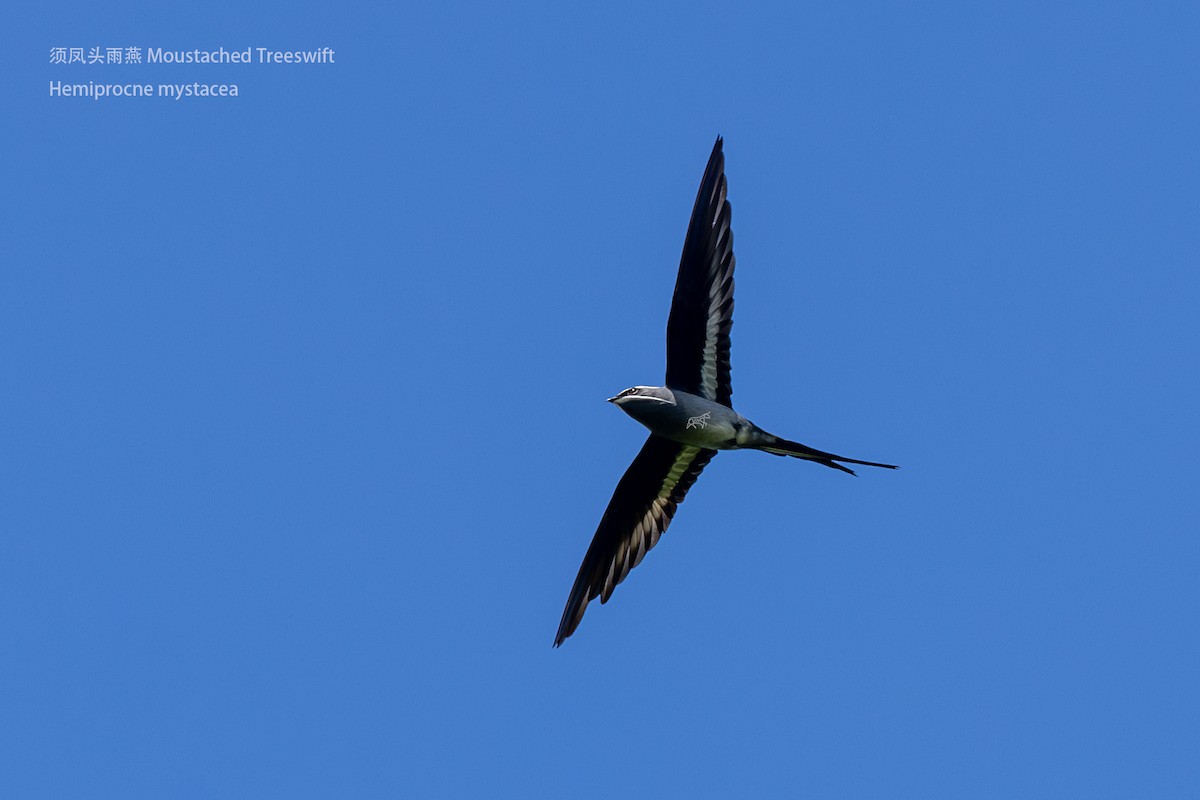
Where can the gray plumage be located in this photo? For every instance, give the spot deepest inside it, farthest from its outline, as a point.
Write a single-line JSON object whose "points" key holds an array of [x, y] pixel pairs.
{"points": [[692, 420], [691, 417]]}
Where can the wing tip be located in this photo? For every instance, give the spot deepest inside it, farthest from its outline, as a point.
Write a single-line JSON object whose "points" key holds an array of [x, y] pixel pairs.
{"points": [[565, 629], [577, 603]]}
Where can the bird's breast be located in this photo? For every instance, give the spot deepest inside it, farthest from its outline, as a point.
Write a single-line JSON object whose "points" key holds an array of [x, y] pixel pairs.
{"points": [[701, 424]]}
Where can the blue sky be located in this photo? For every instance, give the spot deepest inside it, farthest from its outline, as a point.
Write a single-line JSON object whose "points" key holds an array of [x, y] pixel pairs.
{"points": [[304, 435]]}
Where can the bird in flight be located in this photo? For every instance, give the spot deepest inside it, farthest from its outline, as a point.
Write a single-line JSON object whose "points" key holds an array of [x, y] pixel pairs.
{"points": [[690, 418]]}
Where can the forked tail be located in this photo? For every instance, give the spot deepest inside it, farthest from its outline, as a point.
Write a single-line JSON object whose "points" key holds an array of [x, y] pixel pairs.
{"points": [[782, 447]]}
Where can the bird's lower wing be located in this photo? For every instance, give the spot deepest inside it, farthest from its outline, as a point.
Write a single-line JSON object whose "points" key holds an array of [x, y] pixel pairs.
{"points": [[639, 511]]}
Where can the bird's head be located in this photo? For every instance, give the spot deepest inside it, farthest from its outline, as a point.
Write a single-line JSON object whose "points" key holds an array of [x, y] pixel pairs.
{"points": [[643, 397]]}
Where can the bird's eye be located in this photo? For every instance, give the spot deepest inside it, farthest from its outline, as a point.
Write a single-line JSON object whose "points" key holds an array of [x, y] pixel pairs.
{"points": [[633, 391]]}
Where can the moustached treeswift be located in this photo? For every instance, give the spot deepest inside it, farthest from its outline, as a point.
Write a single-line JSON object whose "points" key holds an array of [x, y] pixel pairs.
{"points": [[690, 418]]}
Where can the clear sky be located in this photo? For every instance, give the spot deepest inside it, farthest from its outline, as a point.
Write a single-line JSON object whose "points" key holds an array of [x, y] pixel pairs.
{"points": [[303, 433]]}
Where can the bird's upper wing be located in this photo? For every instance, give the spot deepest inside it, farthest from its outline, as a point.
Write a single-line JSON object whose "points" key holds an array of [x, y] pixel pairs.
{"points": [[702, 309], [638, 513]]}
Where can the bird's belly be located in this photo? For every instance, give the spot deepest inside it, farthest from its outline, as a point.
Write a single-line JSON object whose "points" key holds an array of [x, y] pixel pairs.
{"points": [[702, 430]]}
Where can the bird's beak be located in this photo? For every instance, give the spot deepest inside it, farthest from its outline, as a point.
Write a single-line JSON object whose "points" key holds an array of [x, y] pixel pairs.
{"points": [[612, 399]]}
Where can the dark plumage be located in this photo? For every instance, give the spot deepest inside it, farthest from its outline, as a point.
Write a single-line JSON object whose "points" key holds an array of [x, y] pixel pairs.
{"points": [[704, 292]]}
